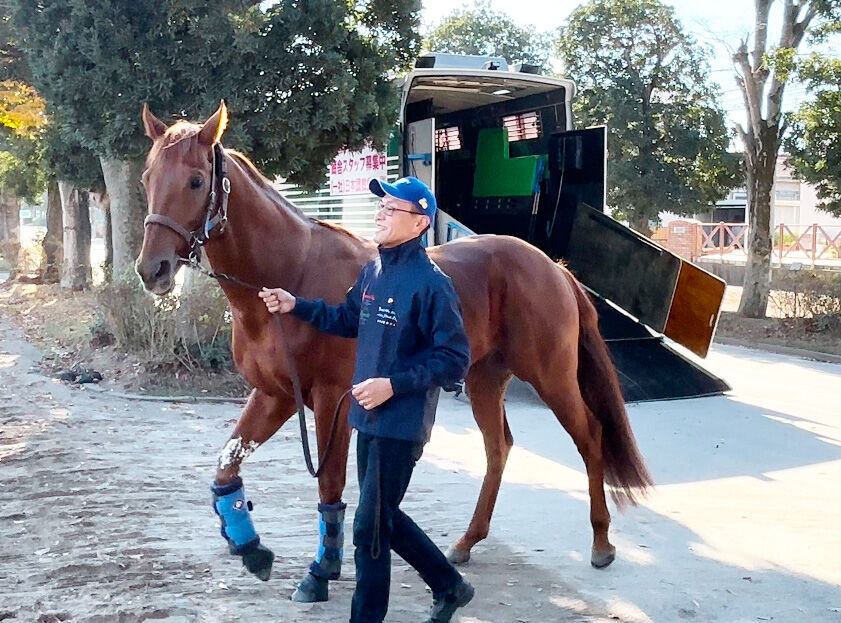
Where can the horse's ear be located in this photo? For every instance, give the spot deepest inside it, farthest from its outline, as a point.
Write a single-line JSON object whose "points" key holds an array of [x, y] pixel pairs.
{"points": [[154, 127], [214, 127]]}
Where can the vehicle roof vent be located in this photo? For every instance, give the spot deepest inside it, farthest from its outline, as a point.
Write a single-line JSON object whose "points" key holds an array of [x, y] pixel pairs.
{"points": [[526, 68], [440, 60]]}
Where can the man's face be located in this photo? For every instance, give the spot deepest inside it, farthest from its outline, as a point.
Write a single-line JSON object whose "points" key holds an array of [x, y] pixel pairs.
{"points": [[398, 221]]}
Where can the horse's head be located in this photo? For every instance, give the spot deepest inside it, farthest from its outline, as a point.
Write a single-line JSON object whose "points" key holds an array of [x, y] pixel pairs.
{"points": [[178, 181]]}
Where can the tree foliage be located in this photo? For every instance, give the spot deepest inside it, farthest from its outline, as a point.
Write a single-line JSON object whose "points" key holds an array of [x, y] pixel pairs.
{"points": [[22, 119], [66, 159], [643, 76], [479, 30], [22, 110], [814, 140], [20, 172], [302, 78]]}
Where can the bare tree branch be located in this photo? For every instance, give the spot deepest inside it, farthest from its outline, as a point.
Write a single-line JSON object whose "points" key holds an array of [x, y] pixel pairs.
{"points": [[761, 31], [750, 86], [791, 34]]}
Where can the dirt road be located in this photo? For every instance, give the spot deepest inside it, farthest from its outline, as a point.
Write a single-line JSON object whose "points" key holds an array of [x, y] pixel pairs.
{"points": [[106, 516]]}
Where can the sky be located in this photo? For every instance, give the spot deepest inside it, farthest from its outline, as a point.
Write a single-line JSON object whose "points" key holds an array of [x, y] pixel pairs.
{"points": [[718, 24]]}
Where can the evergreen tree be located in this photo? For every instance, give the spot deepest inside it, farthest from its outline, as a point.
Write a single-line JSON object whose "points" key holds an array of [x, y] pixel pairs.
{"points": [[814, 140], [301, 78], [643, 76], [480, 30]]}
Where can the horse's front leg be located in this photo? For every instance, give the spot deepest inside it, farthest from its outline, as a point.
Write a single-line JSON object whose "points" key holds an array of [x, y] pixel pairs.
{"points": [[333, 435], [262, 417]]}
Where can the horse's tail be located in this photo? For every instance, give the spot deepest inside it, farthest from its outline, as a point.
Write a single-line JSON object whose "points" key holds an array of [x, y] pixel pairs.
{"points": [[624, 467]]}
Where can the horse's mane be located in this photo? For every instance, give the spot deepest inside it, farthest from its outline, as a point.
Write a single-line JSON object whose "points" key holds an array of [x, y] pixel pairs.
{"points": [[261, 180], [339, 228]]}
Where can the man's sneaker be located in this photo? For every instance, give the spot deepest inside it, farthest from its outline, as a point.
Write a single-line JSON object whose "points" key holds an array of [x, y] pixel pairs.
{"points": [[444, 606]]}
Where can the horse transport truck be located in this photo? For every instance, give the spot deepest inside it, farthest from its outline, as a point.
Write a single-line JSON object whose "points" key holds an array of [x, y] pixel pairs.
{"points": [[498, 146]]}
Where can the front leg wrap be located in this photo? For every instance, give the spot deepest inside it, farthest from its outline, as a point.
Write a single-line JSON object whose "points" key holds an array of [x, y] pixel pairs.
{"points": [[234, 513], [331, 527], [233, 509]]}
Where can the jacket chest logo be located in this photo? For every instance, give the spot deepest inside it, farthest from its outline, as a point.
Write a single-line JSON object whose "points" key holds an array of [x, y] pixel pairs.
{"points": [[386, 314]]}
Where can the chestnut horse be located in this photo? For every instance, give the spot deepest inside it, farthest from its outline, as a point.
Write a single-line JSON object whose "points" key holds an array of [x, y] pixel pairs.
{"points": [[524, 314]]}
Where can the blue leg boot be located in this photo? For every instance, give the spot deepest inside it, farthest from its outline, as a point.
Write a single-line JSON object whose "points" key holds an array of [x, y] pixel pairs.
{"points": [[328, 562], [233, 509]]}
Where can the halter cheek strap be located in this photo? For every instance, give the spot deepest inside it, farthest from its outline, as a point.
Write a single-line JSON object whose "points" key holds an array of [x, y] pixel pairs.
{"points": [[213, 216]]}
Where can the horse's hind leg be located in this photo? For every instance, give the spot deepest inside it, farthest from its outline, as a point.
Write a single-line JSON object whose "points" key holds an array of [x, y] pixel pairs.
{"points": [[486, 383], [565, 400], [262, 416]]}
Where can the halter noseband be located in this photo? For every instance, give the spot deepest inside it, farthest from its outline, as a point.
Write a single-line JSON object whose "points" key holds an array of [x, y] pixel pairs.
{"points": [[198, 237]]}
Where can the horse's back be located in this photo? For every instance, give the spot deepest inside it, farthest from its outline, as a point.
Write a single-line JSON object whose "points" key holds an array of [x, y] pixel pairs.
{"points": [[511, 292]]}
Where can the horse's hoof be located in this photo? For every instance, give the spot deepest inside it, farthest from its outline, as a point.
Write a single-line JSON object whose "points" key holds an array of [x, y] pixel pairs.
{"points": [[457, 556], [259, 562], [600, 560], [310, 590]]}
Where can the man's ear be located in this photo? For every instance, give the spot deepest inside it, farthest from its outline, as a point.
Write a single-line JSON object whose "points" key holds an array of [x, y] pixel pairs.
{"points": [[426, 222], [153, 126], [214, 127]]}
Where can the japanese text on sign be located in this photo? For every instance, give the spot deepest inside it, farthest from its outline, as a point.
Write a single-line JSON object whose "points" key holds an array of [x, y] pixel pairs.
{"points": [[351, 171]]}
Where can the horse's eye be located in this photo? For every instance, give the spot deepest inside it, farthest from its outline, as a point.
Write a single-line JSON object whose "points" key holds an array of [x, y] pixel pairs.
{"points": [[196, 182]]}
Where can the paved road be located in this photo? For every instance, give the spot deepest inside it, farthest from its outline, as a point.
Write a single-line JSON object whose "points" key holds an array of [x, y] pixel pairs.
{"points": [[106, 516]]}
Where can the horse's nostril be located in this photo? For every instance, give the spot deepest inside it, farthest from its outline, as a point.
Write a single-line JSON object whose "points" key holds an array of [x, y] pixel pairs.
{"points": [[163, 269]]}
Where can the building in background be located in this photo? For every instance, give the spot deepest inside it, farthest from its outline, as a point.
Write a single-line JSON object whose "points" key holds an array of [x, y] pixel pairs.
{"points": [[793, 202]]}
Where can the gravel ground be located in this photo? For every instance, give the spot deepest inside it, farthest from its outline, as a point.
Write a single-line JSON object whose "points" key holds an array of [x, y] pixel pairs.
{"points": [[106, 514]]}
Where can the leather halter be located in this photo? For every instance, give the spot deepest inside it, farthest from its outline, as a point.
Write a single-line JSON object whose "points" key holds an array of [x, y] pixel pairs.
{"points": [[213, 216]]}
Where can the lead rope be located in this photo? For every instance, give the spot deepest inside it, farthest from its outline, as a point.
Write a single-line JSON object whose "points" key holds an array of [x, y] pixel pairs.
{"points": [[293, 373]]}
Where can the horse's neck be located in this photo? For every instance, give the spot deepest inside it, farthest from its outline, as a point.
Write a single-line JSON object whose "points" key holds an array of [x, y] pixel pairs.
{"points": [[265, 243]]}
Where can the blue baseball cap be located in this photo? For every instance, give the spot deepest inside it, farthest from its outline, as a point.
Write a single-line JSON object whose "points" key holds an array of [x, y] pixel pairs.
{"points": [[408, 189]]}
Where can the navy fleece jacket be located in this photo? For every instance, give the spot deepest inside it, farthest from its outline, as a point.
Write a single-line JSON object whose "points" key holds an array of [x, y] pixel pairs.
{"points": [[406, 315]]}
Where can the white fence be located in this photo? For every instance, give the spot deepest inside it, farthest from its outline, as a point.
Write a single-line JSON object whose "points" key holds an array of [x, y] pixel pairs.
{"points": [[356, 212]]}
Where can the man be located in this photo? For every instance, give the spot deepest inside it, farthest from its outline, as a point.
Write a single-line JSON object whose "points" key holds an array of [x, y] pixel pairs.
{"points": [[411, 342]]}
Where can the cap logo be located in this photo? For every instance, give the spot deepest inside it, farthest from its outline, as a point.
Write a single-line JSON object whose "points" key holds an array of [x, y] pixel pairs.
{"points": [[423, 204]]}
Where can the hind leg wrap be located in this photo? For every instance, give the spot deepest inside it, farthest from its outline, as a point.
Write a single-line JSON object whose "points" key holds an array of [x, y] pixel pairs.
{"points": [[233, 509], [331, 527]]}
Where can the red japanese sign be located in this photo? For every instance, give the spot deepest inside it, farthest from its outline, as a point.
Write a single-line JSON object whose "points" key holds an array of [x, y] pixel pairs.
{"points": [[351, 171]]}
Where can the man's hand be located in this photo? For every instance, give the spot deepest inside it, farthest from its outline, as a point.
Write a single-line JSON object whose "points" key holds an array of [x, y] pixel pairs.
{"points": [[372, 393], [277, 300]]}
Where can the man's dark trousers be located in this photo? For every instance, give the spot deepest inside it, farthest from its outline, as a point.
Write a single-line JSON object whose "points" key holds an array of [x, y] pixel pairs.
{"points": [[391, 462]]}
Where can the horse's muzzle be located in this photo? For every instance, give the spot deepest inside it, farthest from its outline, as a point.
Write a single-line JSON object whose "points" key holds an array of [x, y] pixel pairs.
{"points": [[157, 275]]}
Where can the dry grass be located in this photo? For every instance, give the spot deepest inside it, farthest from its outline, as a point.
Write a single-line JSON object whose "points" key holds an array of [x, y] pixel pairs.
{"points": [[59, 323], [775, 330]]}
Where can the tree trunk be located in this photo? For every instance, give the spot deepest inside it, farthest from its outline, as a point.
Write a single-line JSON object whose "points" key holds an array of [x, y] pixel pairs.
{"points": [[641, 224], [53, 239], [109, 238], [75, 207], [103, 201], [10, 231], [757, 281], [128, 209]]}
